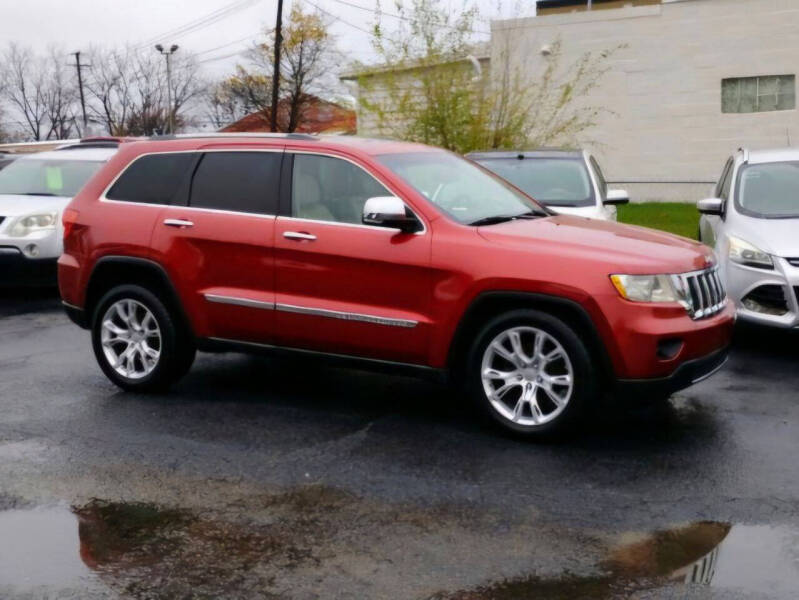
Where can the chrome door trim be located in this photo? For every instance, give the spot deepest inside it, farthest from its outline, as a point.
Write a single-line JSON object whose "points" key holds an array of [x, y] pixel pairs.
{"points": [[236, 301], [346, 316], [315, 312]]}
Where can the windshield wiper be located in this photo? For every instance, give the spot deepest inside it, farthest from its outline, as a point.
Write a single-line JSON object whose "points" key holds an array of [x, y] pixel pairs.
{"points": [[38, 194], [495, 219]]}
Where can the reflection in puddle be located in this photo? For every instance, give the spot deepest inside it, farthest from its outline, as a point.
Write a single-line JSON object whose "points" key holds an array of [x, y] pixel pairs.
{"points": [[759, 559], [147, 551]]}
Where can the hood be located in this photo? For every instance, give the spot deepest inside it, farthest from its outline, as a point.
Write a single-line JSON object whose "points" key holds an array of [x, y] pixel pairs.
{"points": [[778, 237], [621, 248], [12, 205]]}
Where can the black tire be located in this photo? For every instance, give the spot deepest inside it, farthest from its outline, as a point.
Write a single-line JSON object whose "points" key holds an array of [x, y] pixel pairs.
{"points": [[177, 350], [585, 390]]}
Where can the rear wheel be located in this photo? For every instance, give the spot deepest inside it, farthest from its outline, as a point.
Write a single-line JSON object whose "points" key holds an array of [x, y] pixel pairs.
{"points": [[531, 374], [137, 341]]}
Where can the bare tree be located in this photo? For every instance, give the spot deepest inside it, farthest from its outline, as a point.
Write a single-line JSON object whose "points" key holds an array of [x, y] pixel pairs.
{"points": [[24, 88], [127, 90], [59, 94], [222, 105]]}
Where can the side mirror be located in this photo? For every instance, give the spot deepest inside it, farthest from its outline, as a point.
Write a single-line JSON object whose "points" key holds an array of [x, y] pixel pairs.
{"points": [[389, 211], [614, 197], [710, 206]]}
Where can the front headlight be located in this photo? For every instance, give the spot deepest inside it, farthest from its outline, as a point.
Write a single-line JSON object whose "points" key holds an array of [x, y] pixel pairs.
{"points": [[34, 223], [650, 288], [745, 253]]}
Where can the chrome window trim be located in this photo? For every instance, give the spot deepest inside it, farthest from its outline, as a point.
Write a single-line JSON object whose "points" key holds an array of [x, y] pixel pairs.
{"points": [[388, 187], [316, 312], [392, 230], [104, 196], [237, 301]]}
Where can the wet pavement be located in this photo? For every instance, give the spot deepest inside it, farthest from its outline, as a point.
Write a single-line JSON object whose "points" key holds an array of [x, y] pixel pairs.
{"points": [[258, 478]]}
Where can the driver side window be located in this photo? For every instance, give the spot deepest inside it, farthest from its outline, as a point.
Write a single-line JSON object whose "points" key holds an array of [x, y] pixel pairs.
{"points": [[325, 188]]}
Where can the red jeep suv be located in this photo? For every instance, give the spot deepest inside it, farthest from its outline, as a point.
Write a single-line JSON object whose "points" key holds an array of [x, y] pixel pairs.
{"points": [[389, 254]]}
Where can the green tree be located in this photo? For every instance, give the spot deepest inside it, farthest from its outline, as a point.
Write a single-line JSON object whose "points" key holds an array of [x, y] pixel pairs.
{"points": [[434, 85]]}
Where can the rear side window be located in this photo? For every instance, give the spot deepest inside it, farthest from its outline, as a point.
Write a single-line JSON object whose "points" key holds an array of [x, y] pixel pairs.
{"points": [[152, 179], [237, 181]]}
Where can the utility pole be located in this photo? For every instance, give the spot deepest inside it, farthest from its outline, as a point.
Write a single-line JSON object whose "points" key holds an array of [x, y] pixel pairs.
{"points": [[79, 66], [276, 69], [167, 54]]}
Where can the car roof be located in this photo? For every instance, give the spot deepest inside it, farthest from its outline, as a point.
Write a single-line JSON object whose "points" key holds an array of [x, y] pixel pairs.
{"points": [[772, 155], [372, 146], [536, 153], [92, 154]]}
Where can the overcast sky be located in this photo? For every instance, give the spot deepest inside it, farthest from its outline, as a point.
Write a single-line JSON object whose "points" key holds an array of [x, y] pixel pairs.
{"points": [[78, 24]]}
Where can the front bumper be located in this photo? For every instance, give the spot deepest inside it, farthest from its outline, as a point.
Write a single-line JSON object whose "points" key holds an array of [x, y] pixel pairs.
{"points": [[742, 280], [18, 270], [687, 374]]}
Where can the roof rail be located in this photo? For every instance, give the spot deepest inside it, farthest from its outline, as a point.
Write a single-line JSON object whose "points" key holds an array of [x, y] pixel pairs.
{"points": [[195, 136]]}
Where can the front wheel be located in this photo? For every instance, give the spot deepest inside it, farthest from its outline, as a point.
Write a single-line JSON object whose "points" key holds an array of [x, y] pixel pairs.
{"points": [[531, 374], [138, 343]]}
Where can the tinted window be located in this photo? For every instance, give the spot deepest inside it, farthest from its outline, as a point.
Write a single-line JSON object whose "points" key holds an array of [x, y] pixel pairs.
{"points": [[553, 181], [331, 189], [153, 179], [238, 181]]}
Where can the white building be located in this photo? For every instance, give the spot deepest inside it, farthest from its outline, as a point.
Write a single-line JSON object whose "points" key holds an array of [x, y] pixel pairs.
{"points": [[695, 80]]}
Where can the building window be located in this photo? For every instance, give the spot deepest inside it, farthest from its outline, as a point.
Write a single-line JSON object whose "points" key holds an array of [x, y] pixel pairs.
{"points": [[758, 94]]}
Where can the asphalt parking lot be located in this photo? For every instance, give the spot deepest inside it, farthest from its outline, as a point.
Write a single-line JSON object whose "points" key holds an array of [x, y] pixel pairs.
{"points": [[258, 478]]}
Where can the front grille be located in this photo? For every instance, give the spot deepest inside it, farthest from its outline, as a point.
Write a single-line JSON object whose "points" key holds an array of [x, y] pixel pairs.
{"points": [[708, 295], [769, 299], [793, 261], [2, 219]]}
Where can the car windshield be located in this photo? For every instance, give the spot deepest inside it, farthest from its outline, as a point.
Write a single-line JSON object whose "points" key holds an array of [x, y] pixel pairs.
{"points": [[551, 181], [769, 190], [464, 191], [46, 177]]}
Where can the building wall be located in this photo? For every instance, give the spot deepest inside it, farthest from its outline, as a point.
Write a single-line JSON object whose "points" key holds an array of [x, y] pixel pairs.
{"points": [[668, 138]]}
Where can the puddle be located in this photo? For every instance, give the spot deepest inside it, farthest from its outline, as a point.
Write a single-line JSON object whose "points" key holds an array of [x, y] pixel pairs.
{"points": [[146, 551], [758, 559]]}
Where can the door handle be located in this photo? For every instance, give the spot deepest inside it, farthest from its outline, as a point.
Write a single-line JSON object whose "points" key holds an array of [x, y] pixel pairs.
{"points": [[178, 223], [296, 235]]}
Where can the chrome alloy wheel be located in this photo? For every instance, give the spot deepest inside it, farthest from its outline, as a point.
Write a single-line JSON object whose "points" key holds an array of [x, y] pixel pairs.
{"points": [[527, 376], [131, 339]]}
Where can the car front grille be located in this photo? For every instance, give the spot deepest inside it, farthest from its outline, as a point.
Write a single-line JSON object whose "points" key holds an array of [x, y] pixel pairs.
{"points": [[793, 261], [708, 295], [2, 219], [769, 299]]}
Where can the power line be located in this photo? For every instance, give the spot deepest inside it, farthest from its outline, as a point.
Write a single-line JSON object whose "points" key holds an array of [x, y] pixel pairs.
{"points": [[337, 18], [245, 38], [202, 22], [404, 18]]}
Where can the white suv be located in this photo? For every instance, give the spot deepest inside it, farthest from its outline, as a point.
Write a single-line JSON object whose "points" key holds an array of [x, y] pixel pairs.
{"points": [[753, 223], [34, 190], [567, 181]]}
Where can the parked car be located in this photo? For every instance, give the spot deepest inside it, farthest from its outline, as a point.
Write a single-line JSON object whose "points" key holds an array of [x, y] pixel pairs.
{"points": [[753, 223], [34, 190], [388, 254], [567, 181]]}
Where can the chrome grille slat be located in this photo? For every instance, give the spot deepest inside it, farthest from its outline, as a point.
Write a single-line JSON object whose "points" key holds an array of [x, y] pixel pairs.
{"points": [[707, 292]]}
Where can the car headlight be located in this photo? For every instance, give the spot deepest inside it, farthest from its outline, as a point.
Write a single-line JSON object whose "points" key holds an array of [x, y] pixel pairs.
{"points": [[651, 288], [34, 223], [745, 253]]}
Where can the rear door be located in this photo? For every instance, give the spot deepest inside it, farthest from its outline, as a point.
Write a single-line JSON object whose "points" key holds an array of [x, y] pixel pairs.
{"points": [[218, 246], [344, 287]]}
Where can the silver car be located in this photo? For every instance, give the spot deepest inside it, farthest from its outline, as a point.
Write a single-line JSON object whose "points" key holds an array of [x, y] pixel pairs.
{"points": [[567, 181], [753, 223]]}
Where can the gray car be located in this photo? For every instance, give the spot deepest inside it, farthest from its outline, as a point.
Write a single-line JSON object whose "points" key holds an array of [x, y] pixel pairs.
{"points": [[753, 223]]}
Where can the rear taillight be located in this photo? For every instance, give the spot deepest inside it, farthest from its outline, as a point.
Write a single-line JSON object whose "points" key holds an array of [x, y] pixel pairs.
{"points": [[69, 220]]}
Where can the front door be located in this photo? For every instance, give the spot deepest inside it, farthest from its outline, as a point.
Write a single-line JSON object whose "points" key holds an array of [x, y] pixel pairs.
{"points": [[218, 247], [343, 287]]}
